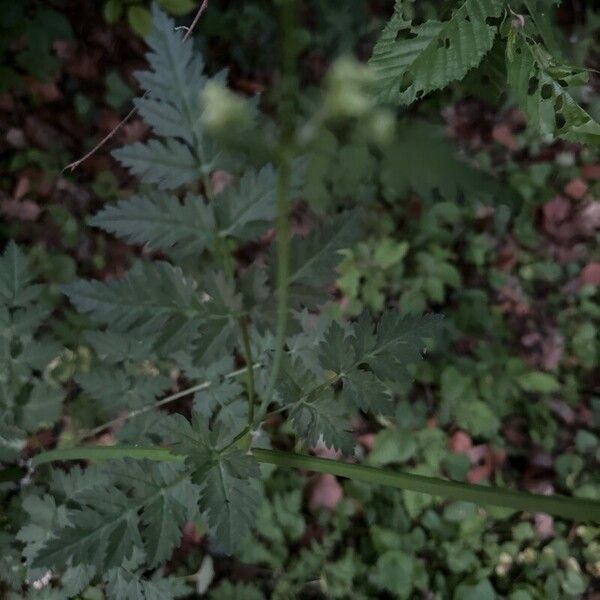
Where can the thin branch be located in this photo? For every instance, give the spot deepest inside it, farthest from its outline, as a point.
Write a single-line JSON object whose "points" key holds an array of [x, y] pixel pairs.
{"points": [[72, 166], [181, 394]]}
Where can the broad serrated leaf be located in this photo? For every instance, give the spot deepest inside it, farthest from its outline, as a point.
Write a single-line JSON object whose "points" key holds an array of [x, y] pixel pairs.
{"points": [[85, 540], [149, 296], [335, 351], [75, 579], [302, 345], [342, 354], [161, 221], [541, 87], [78, 482], [411, 61], [221, 402], [168, 164], [125, 584]]}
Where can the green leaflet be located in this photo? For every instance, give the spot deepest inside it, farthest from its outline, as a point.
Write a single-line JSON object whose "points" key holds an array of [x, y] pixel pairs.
{"points": [[541, 87], [397, 344], [315, 417], [150, 295], [313, 258], [363, 359], [389, 350], [115, 388], [160, 221], [15, 278], [411, 61], [128, 583], [228, 496], [171, 106], [243, 210], [323, 420], [29, 398], [172, 83], [167, 164], [144, 508]]}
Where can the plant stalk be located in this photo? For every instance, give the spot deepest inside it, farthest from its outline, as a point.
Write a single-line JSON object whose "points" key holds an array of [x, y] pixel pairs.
{"points": [[289, 51], [577, 509], [250, 371]]}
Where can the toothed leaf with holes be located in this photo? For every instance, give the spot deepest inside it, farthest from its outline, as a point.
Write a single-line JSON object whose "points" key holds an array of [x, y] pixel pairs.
{"points": [[541, 85], [411, 61]]}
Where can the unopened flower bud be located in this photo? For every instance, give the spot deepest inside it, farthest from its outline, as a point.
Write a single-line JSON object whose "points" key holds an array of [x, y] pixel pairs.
{"points": [[348, 89], [222, 109]]}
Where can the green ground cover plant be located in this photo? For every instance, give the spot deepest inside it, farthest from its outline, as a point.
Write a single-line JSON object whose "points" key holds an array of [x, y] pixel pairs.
{"points": [[272, 366]]}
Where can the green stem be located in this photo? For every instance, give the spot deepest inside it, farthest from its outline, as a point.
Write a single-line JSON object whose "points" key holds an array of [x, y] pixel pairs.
{"points": [[250, 372], [282, 293], [287, 30], [578, 509], [105, 453], [563, 506]]}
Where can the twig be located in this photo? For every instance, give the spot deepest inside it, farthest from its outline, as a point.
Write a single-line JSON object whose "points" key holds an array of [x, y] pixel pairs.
{"points": [[72, 166]]}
